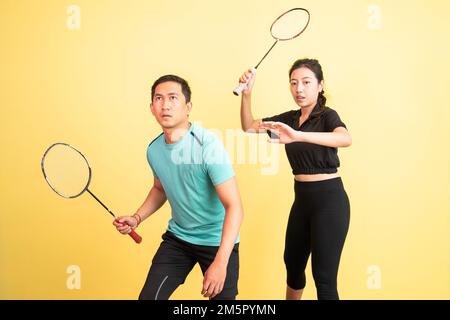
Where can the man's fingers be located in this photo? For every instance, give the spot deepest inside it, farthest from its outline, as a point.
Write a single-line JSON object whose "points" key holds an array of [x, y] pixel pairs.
{"points": [[117, 224], [126, 230], [208, 291], [206, 284], [217, 290]]}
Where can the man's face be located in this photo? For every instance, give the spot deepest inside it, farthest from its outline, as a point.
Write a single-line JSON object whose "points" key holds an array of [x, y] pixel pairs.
{"points": [[169, 105]]}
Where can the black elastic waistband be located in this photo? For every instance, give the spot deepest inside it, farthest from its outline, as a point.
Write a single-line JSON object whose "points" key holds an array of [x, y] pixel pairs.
{"points": [[323, 185]]}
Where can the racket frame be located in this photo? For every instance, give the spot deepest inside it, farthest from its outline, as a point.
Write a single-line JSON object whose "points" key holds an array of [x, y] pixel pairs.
{"points": [[137, 238], [82, 155], [237, 91]]}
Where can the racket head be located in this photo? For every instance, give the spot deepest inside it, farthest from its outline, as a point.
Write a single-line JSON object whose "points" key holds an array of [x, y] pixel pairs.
{"points": [[290, 24], [66, 170]]}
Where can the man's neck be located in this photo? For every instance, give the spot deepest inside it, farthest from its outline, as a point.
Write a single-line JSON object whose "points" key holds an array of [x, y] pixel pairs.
{"points": [[172, 135]]}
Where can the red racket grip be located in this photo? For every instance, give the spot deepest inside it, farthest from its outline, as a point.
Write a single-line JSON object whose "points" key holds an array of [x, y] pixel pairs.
{"points": [[137, 238]]}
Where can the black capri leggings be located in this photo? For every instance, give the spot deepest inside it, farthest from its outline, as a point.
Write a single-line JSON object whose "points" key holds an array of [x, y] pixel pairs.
{"points": [[318, 224]]}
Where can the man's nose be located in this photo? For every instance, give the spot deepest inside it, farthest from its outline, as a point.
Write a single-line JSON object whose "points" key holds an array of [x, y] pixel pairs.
{"points": [[166, 104]]}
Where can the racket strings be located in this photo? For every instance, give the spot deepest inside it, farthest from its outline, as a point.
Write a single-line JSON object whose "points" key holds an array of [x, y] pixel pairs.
{"points": [[290, 24], [66, 170]]}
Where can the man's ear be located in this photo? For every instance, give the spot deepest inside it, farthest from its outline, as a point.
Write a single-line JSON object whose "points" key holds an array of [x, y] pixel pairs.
{"points": [[189, 107], [151, 108]]}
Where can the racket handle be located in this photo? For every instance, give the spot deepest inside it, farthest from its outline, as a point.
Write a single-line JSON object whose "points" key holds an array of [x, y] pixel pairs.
{"points": [[137, 238], [238, 90]]}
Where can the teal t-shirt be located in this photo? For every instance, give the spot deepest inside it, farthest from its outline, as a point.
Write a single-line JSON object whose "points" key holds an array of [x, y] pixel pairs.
{"points": [[188, 171]]}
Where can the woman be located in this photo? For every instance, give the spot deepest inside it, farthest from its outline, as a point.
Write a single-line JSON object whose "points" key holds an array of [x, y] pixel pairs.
{"points": [[319, 217]]}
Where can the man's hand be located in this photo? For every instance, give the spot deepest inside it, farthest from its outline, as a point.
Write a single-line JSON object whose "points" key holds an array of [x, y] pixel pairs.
{"points": [[214, 279], [125, 224]]}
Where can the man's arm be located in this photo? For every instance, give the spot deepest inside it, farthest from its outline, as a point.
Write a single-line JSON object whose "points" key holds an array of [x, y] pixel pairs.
{"points": [[215, 275], [155, 200]]}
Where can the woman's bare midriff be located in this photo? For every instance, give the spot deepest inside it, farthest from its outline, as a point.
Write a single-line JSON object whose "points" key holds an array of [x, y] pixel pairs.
{"points": [[315, 177]]}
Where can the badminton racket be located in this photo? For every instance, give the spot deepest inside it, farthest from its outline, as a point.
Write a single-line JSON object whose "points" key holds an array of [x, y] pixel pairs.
{"points": [[68, 173], [287, 26]]}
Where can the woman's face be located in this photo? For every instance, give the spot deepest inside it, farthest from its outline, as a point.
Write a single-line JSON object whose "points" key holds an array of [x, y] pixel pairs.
{"points": [[305, 87]]}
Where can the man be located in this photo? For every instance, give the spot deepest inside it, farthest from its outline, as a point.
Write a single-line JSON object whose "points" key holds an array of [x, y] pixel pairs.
{"points": [[192, 171]]}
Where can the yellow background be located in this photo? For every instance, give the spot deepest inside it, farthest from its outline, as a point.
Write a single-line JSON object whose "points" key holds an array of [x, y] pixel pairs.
{"points": [[91, 88]]}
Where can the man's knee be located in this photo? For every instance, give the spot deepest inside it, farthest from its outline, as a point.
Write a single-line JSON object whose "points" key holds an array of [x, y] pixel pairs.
{"points": [[159, 287]]}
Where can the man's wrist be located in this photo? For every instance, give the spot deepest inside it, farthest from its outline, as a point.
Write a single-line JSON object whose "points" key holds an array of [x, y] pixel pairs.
{"points": [[137, 218]]}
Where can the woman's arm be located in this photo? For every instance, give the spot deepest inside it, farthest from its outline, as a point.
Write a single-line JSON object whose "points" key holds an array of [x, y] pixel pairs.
{"points": [[248, 123], [339, 138]]}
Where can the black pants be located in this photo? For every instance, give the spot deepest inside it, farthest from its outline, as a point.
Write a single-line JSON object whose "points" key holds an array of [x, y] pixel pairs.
{"points": [[318, 224], [173, 262]]}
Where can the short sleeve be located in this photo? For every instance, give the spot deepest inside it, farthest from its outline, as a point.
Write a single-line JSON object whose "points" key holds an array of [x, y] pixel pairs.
{"points": [[285, 117], [332, 121], [150, 164], [217, 161], [153, 171]]}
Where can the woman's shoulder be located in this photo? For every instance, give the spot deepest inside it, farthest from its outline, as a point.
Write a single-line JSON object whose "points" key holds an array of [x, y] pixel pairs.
{"points": [[284, 115], [329, 112], [328, 109], [332, 118]]}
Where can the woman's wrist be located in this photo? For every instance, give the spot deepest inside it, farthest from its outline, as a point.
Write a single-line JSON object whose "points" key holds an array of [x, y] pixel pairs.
{"points": [[299, 136]]}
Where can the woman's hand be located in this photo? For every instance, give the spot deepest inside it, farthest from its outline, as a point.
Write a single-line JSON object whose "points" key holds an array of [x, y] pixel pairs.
{"points": [[249, 78], [285, 133]]}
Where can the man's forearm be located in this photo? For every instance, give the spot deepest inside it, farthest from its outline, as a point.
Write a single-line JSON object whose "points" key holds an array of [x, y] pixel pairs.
{"points": [[155, 200], [230, 232]]}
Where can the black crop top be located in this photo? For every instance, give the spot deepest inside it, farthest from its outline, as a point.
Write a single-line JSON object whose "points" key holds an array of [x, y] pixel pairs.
{"points": [[309, 158]]}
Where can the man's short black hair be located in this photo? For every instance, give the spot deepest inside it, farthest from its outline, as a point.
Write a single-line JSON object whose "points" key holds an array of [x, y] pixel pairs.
{"points": [[170, 77]]}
